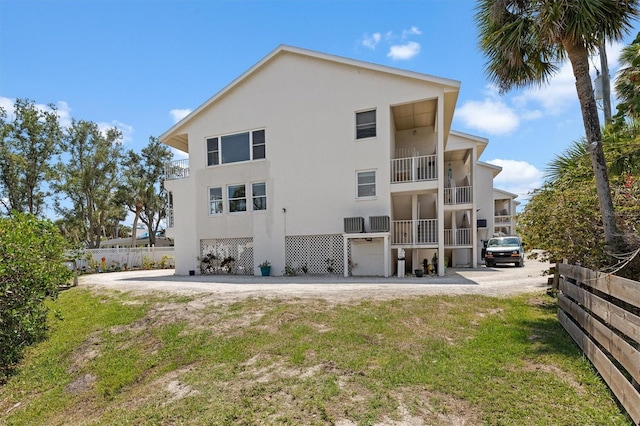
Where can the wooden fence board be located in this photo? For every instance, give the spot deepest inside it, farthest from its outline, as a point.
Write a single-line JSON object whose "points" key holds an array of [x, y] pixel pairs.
{"points": [[592, 320], [620, 319], [619, 385], [622, 351], [621, 288]]}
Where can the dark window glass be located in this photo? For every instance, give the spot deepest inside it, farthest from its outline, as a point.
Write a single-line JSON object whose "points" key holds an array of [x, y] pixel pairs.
{"points": [[366, 124], [235, 148], [259, 196], [259, 142], [212, 152], [367, 184], [237, 198], [215, 200]]}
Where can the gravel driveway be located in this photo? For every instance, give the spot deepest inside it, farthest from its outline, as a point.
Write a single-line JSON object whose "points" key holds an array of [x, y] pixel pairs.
{"points": [[497, 281]]}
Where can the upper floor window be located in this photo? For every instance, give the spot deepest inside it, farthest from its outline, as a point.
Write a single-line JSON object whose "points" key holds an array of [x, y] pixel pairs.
{"points": [[259, 192], [366, 184], [366, 124], [258, 143], [237, 198], [237, 147]]}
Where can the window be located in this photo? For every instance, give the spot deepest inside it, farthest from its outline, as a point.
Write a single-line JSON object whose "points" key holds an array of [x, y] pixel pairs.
{"points": [[212, 152], [259, 192], [215, 200], [258, 143], [169, 209], [366, 184], [237, 198], [234, 148], [366, 124]]}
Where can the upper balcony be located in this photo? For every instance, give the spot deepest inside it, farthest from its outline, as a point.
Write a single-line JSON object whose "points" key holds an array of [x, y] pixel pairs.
{"points": [[458, 195], [414, 169], [177, 169]]}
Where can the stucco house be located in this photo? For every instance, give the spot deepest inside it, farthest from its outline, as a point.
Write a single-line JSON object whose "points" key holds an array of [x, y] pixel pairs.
{"points": [[323, 164]]}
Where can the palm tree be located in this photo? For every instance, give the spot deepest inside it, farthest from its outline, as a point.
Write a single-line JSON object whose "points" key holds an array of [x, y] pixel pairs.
{"points": [[525, 40], [628, 81]]}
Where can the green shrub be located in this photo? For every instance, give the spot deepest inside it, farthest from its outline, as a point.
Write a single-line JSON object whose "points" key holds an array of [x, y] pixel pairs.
{"points": [[31, 269]]}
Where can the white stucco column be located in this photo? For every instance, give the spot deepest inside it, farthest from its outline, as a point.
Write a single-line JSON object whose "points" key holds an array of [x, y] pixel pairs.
{"points": [[345, 250], [387, 256]]}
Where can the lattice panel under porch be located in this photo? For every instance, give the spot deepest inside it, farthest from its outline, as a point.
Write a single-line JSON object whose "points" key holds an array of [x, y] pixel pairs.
{"points": [[241, 249], [311, 252]]}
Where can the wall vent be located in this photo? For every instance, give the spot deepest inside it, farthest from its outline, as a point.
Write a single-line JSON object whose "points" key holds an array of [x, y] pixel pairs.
{"points": [[353, 225], [379, 223]]}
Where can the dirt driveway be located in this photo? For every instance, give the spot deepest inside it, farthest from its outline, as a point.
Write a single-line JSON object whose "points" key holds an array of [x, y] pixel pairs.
{"points": [[498, 281]]}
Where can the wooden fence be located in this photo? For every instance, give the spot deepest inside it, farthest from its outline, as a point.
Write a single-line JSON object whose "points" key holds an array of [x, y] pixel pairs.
{"points": [[600, 312]]}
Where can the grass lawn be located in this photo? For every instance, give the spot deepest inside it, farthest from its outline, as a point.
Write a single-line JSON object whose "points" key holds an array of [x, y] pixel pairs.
{"points": [[118, 358]]}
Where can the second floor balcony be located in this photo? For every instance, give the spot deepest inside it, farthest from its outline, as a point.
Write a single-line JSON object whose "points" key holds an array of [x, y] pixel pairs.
{"points": [[458, 195], [502, 220], [177, 169], [424, 232], [414, 169]]}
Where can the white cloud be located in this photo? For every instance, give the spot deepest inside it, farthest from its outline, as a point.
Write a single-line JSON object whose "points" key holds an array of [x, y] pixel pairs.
{"points": [[412, 31], [7, 105], [491, 116], [64, 113], [554, 98], [125, 129], [178, 114], [371, 41], [518, 177], [404, 51], [62, 110]]}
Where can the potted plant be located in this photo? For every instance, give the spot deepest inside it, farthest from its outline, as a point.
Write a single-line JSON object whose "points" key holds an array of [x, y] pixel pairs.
{"points": [[265, 268]]}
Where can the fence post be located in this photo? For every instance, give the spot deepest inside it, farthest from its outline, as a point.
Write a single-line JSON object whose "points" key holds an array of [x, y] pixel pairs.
{"points": [[556, 277]]}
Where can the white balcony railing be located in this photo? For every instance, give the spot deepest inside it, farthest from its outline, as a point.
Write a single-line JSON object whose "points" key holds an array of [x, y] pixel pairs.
{"points": [[502, 220], [458, 237], [458, 195], [414, 169], [423, 231], [177, 169]]}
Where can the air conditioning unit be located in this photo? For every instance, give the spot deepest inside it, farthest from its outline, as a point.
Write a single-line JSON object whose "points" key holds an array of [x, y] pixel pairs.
{"points": [[481, 223], [379, 223], [353, 225]]}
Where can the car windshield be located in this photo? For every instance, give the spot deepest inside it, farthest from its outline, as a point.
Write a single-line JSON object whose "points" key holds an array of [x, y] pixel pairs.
{"points": [[503, 242]]}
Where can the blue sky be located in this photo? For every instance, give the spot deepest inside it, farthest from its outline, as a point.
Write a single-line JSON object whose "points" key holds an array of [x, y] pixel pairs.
{"points": [[140, 65]]}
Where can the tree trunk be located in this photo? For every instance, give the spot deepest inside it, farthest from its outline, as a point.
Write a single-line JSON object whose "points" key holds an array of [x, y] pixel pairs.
{"points": [[606, 83], [134, 230], [579, 58]]}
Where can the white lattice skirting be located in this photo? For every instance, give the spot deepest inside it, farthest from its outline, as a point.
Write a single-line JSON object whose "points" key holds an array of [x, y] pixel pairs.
{"points": [[240, 249], [315, 254]]}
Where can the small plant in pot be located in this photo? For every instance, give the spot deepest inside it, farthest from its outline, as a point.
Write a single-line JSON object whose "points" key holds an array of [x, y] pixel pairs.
{"points": [[265, 268]]}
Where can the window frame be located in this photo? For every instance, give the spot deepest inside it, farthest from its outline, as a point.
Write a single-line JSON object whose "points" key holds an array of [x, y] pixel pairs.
{"points": [[363, 127], [231, 199], [216, 200], [254, 197], [211, 152], [251, 147], [359, 185]]}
